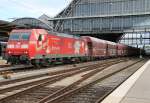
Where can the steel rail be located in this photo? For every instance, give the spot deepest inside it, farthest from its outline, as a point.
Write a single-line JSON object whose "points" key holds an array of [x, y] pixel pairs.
{"points": [[61, 97], [88, 75], [50, 81], [51, 73], [104, 96]]}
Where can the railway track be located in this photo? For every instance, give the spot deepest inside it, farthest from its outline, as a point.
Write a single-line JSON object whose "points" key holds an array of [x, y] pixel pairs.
{"points": [[6, 69], [5, 65], [39, 86], [13, 69], [124, 78], [87, 93], [10, 81]]}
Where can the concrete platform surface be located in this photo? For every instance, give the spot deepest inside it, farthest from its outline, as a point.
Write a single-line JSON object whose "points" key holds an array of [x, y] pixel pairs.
{"points": [[134, 90]]}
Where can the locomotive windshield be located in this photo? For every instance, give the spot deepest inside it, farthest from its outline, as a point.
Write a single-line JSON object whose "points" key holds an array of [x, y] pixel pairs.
{"points": [[14, 37], [19, 36], [25, 36]]}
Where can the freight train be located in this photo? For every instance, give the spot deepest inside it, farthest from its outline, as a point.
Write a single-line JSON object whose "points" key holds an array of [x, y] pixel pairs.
{"points": [[40, 47]]}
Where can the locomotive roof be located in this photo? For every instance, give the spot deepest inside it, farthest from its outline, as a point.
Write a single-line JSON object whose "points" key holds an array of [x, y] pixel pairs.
{"points": [[64, 35], [49, 32]]}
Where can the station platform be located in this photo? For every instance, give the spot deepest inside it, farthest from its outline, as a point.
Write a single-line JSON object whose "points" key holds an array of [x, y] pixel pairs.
{"points": [[136, 89]]}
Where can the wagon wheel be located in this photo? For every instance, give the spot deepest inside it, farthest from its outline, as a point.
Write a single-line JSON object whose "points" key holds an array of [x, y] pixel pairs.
{"points": [[36, 63]]}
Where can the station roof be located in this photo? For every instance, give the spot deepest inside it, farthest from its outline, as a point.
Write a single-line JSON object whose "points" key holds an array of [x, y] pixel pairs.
{"points": [[5, 28], [29, 22]]}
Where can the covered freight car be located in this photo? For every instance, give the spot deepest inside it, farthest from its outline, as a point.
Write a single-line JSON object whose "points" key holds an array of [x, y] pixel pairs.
{"points": [[97, 48], [122, 50], [132, 51], [111, 49]]}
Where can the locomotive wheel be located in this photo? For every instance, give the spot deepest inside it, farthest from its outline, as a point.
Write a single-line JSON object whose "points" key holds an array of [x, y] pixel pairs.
{"points": [[13, 60], [44, 63]]}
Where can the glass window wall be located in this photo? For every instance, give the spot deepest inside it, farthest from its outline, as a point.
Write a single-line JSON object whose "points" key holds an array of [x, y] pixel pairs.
{"points": [[109, 7], [142, 39]]}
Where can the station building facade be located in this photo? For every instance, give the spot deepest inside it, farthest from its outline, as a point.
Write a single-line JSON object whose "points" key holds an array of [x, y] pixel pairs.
{"points": [[103, 16], [123, 19]]}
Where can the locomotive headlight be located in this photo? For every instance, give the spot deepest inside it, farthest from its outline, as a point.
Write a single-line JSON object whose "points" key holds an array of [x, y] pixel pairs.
{"points": [[26, 52], [10, 46], [24, 46], [9, 52]]}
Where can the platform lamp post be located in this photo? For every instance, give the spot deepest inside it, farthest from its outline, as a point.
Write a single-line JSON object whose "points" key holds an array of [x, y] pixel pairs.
{"points": [[141, 40]]}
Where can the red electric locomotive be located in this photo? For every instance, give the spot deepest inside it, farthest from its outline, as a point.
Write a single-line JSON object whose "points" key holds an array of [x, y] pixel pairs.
{"points": [[37, 46]]}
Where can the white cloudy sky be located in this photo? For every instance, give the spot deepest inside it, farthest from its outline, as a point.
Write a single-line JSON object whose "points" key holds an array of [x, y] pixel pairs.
{"points": [[30, 8]]}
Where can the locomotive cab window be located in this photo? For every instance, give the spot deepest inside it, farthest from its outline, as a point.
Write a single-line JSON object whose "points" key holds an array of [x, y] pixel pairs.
{"points": [[19, 35], [25, 36]]}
